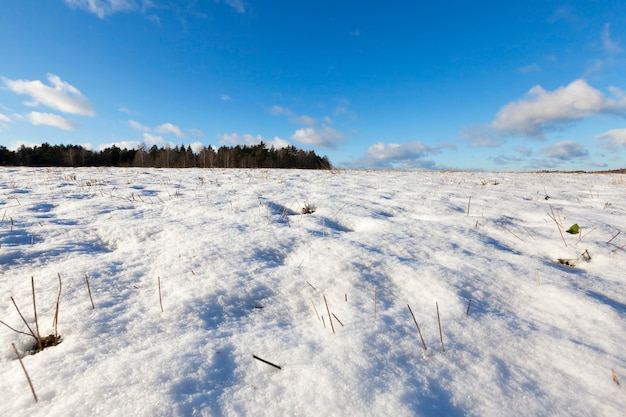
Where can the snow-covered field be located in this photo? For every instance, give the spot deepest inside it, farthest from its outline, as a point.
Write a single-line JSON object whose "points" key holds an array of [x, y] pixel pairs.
{"points": [[242, 272]]}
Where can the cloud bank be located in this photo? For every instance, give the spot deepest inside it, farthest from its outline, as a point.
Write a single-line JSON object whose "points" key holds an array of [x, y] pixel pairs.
{"points": [[540, 110], [408, 155], [49, 119], [325, 136], [234, 139], [59, 95], [103, 8]]}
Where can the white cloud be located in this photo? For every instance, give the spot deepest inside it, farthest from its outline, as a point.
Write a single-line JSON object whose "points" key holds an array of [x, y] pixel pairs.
{"points": [[609, 44], [225, 97], [397, 152], [60, 96], [197, 133], [167, 128], [280, 111], [542, 110], [151, 139], [407, 155], [123, 144], [234, 139], [613, 139], [339, 110], [565, 150], [49, 119], [18, 144], [325, 136], [4, 120], [277, 143], [563, 13], [103, 8], [305, 120], [138, 126], [534, 67], [238, 5], [196, 147]]}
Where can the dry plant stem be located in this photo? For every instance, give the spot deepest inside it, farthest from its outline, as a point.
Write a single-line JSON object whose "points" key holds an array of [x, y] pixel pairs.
{"points": [[558, 227], [314, 308], [15, 330], [55, 322], [30, 384], [443, 349], [611, 239], [538, 278], [338, 320], [581, 236], [469, 202], [32, 283], [375, 292], [418, 327], [330, 319], [267, 362], [323, 322], [24, 320], [160, 300], [618, 248], [311, 285], [615, 376], [93, 307], [513, 234], [529, 234], [468, 307]]}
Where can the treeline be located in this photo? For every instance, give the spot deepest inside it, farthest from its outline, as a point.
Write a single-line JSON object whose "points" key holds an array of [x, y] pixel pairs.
{"points": [[256, 156]]}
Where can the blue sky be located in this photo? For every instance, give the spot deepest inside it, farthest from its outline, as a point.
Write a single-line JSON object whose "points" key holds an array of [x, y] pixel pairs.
{"points": [[402, 84]]}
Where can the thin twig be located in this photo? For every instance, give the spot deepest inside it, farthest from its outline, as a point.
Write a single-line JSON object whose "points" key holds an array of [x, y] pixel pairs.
{"points": [[418, 327], [330, 319], [314, 308], [93, 307], [23, 319], [30, 384], [15, 330], [581, 236], [619, 247], [311, 285], [468, 307], [443, 349], [267, 362], [513, 234], [557, 226], [337, 319], [611, 239], [32, 283], [469, 202], [529, 234], [55, 322], [375, 292], [160, 301]]}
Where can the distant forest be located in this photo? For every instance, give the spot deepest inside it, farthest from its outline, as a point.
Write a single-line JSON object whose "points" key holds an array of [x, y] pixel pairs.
{"points": [[256, 156]]}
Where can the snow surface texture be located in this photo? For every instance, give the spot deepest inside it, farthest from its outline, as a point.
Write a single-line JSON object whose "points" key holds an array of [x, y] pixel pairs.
{"points": [[243, 272]]}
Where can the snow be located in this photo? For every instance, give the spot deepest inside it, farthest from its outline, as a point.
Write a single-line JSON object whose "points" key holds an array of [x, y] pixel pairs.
{"points": [[243, 272]]}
